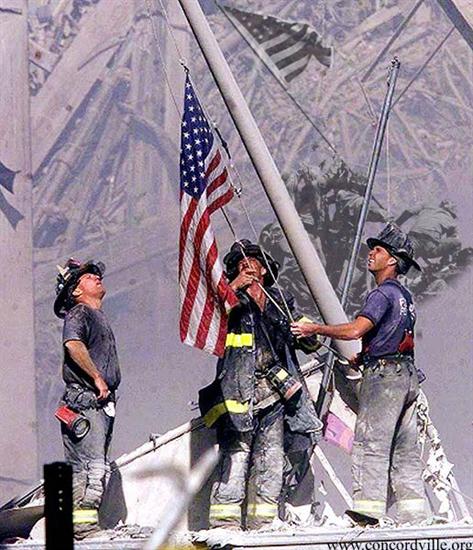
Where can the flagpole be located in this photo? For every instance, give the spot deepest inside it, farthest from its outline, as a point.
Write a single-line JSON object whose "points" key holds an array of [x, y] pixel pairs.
{"points": [[378, 142], [297, 237]]}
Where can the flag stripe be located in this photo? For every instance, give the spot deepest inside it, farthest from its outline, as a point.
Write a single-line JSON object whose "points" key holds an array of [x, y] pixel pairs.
{"points": [[280, 43], [217, 182], [294, 51], [193, 275], [208, 311], [294, 68], [288, 43], [296, 57]]}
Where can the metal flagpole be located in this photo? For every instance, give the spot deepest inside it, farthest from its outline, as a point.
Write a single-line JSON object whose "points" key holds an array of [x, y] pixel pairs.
{"points": [[298, 239], [378, 142]]}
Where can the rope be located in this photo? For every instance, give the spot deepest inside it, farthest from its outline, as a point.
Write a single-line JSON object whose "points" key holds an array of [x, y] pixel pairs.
{"points": [[424, 65], [446, 482], [388, 168], [173, 38], [161, 56], [359, 82]]}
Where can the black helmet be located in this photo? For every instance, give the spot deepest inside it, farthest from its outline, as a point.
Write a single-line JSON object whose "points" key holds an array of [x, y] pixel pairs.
{"points": [[398, 244], [245, 248], [67, 280]]}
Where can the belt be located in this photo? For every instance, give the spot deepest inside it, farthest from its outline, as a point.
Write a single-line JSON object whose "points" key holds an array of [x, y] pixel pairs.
{"points": [[369, 360]]}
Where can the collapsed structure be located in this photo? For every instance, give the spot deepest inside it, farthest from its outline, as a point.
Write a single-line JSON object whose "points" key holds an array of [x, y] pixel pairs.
{"points": [[85, 160]]}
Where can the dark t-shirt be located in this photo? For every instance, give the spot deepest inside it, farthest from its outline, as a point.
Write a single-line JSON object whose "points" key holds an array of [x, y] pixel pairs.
{"points": [[390, 308], [91, 327]]}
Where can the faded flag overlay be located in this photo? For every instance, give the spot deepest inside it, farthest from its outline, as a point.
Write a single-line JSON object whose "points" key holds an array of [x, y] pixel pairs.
{"points": [[285, 47], [7, 179], [204, 189]]}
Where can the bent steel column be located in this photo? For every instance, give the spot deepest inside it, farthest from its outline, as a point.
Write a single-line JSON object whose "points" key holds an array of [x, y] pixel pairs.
{"points": [[18, 447], [297, 237]]}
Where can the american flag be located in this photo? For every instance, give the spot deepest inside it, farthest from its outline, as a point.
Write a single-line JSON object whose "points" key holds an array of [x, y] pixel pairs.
{"points": [[285, 47], [204, 292]]}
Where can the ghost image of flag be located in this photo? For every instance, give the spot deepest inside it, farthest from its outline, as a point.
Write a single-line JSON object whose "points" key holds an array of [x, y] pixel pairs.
{"points": [[205, 296], [285, 47]]}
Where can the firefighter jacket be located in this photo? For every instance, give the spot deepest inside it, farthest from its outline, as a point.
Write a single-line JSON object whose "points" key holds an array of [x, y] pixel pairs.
{"points": [[229, 402]]}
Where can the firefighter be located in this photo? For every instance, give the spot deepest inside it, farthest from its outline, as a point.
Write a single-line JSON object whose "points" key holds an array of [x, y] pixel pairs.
{"points": [[258, 396], [91, 373], [385, 453]]}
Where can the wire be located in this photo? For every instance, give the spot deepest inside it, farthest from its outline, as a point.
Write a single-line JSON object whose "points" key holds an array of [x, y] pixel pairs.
{"points": [[446, 482], [171, 32], [161, 55], [388, 169]]}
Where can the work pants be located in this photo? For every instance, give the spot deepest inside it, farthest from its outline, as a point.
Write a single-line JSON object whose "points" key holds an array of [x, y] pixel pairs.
{"points": [[91, 470], [250, 472], [385, 454]]}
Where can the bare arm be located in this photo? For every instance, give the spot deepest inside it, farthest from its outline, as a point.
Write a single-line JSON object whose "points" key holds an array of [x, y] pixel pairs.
{"points": [[80, 355], [346, 331]]}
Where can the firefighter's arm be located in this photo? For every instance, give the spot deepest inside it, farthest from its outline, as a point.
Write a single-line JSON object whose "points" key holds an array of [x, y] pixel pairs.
{"points": [[346, 331], [80, 355]]}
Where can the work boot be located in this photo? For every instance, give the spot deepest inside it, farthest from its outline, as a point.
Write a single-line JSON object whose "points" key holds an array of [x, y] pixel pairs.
{"points": [[81, 533], [362, 520], [100, 534]]}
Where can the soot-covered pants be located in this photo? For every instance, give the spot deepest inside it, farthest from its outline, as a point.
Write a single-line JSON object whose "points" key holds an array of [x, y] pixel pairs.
{"points": [[250, 473], [386, 457], [90, 466]]}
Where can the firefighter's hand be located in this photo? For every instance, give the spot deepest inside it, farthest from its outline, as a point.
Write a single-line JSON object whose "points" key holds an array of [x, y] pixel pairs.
{"points": [[245, 278], [102, 388], [302, 329]]}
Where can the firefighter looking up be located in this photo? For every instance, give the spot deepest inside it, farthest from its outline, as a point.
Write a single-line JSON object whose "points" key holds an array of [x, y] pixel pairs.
{"points": [[258, 396], [385, 453], [92, 374]]}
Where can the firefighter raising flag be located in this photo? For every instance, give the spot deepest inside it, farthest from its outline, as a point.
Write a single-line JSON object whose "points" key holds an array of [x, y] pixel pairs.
{"points": [[285, 47], [204, 291]]}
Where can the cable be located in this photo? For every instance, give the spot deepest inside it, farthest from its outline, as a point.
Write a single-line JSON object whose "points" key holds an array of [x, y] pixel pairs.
{"points": [[388, 169], [161, 56], [171, 32]]}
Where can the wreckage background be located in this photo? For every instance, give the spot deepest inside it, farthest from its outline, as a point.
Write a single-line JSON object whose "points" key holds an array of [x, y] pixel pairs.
{"points": [[108, 188]]}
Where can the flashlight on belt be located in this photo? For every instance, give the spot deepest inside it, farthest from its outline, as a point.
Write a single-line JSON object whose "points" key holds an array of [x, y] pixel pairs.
{"points": [[284, 383], [75, 422]]}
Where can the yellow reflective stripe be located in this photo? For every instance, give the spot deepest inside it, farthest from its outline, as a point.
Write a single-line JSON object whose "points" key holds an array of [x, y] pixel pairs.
{"points": [[370, 507], [282, 374], [245, 339], [229, 405], [410, 505], [262, 509], [223, 511], [85, 516]]}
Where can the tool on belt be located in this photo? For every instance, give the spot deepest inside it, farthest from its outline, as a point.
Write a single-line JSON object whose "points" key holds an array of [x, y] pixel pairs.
{"points": [[282, 381], [75, 422]]}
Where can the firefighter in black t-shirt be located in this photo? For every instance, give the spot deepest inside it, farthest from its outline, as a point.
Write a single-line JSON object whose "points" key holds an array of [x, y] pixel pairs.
{"points": [[92, 374]]}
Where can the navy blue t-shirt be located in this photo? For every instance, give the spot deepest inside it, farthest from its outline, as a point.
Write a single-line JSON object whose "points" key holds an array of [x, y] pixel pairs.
{"points": [[91, 327], [391, 309]]}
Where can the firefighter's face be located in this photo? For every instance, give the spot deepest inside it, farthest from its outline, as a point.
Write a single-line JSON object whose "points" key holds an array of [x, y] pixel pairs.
{"points": [[379, 258], [252, 266], [90, 285]]}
